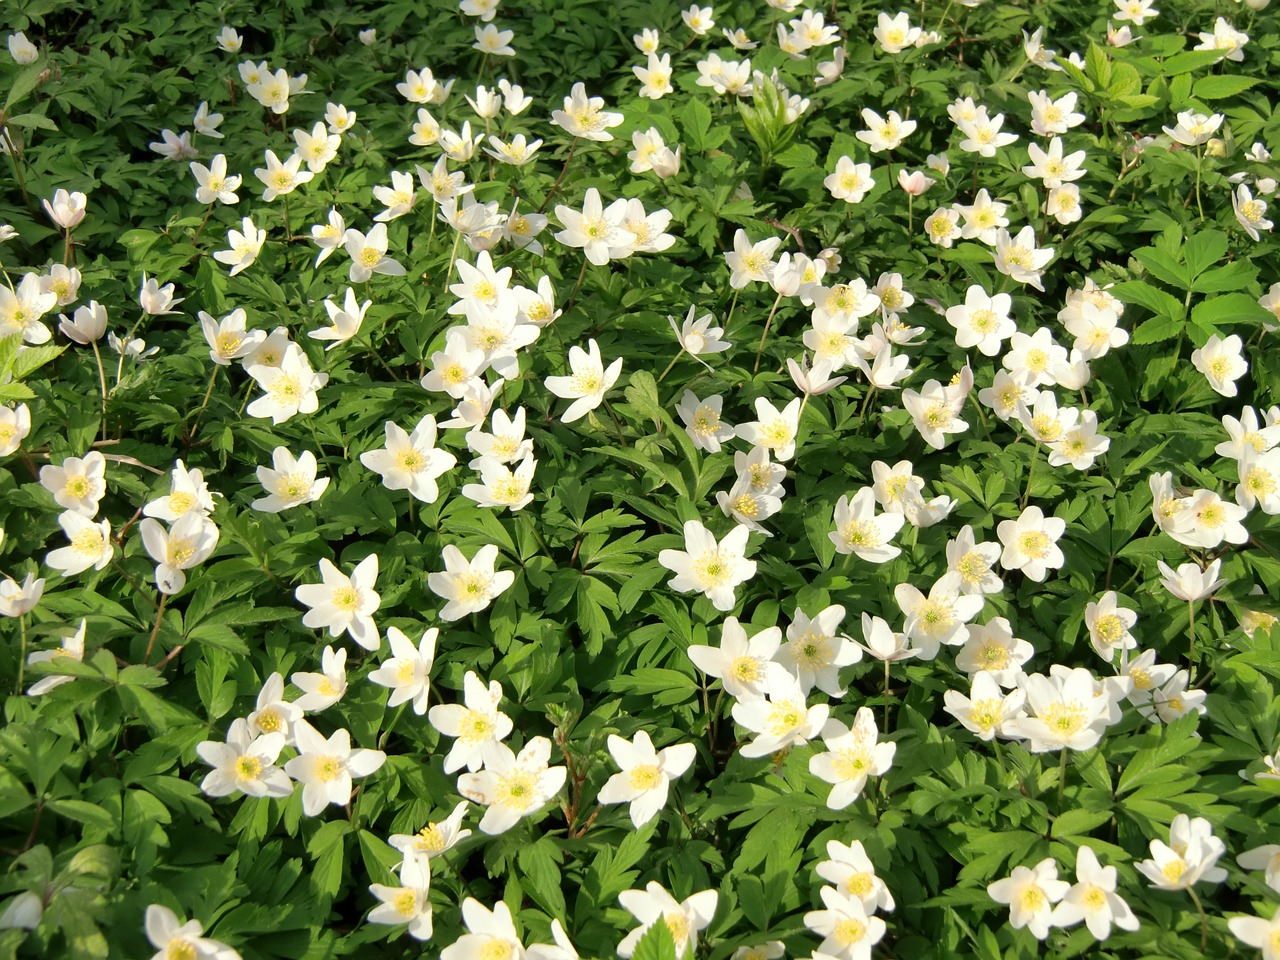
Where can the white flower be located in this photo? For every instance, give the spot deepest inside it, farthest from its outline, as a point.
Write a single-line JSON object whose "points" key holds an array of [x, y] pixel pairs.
{"points": [[1190, 583], [1019, 257], [177, 941], [1031, 543], [91, 545], [1031, 893], [318, 147], [433, 839], [173, 146], [368, 253], [187, 491], [748, 506], [852, 755], [244, 764], [512, 786], [987, 709], [329, 236], [598, 230], [751, 262], [848, 932], [491, 40], [22, 50], [646, 774], [67, 209], [783, 720], [468, 586], [409, 903], [455, 368], [272, 713], [1187, 858], [408, 673], [939, 618], [325, 768], [974, 562], [1221, 362], [1266, 857], [854, 875], [1109, 625], [1259, 933], [227, 338], [700, 20], [745, 666], [207, 123], [585, 116], [1194, 128], [19, 599], [410, 461], [344, 604], [703, 423], [288, 389], [289, 481], [1093, 899], [697, 337], [322, 690], [502, 487], [935, 410], [775, 429], [710, 567], [345, 320], [885, 133], [589, 382], [71, 647], [859, 529], [507, 442], [186, 544], [983, 321], [895, 33], [281, 179], [397, 198], [850, 182], [993, 648], [477, 727], [685, 919], [1066, 712], [78, 484]]}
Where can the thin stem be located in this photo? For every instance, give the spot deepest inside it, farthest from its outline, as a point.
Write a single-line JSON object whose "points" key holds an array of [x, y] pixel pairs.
{"points": [[102, 380], [559, 180], [671, 364], [22, 653], [382, 741], [1031, 473], [155, 631], [1191, 634], [617, 425], [453, 255], [732, 305], [885, 726], [205, 402], [1062, 777], [768, 322], [134, 583], [17, 167], [68, 257], [866, 401], [911, 199], [1204, 921], [200, 229], [573, 297], [1199, 164]]}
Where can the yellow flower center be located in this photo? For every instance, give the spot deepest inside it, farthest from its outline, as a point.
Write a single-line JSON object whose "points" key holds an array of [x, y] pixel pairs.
{"points": [[270, 721], [411, 460], [430, 837], [370, 257], [746, 506], [1034, 543], [406, 903], [973, 567], [293, 487], [181, 502], [476, 726], [678, 924], [986, 714], [77, 487], [496, 949], [746, 669], [860, 533], [1064, 718], [248, 768], [993, 655], [328, 769], [1109, 628], [784, 717], [518, 790], [1174, 869], [860, 884], [1032, 899], [88, 541], [180, 949], [644, 777], [849, 931], [346, 599], [852, 763], [813, 650]]}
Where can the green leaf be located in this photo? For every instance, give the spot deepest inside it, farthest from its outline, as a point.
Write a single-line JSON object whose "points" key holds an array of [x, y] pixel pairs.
{"points": [[656, 944], [1153, 298], [1163, 267], [28, 79], [83, 812], [1222, 86]]}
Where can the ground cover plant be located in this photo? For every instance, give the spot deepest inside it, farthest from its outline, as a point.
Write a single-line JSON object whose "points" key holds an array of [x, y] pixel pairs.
{"points": [[563, 479]]}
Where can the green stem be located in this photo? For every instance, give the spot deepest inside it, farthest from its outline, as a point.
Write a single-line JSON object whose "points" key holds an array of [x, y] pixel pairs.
{"points": [[155, 630], [453, 255], [765, 333], [102, 381], [1191, 634], [1062, 778], [1204, 921], [205, 402], [671, 364], [1199, 164], [617, 424], [382, 741], [732, 306], [573, 297], [885, 727], [1031, 473], [22, 654], [559, 180], [200, 229]]}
